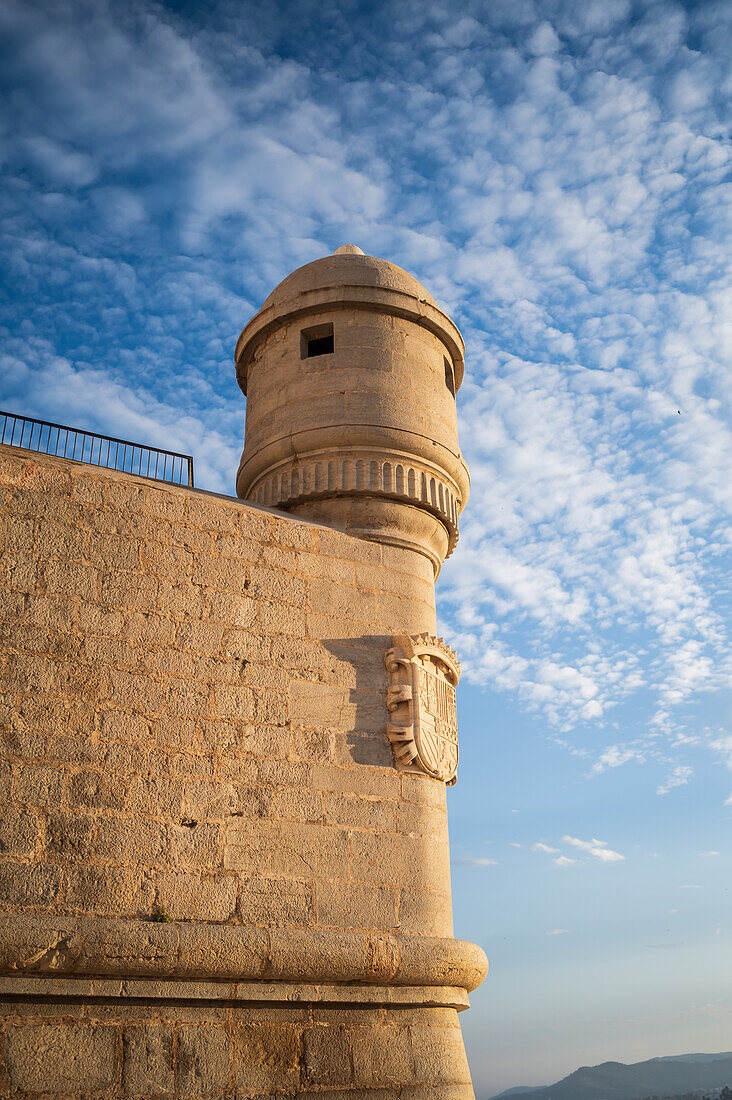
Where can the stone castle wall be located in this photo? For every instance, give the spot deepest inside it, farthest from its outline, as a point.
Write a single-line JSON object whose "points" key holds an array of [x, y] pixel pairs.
{"points": [[193, 725]]}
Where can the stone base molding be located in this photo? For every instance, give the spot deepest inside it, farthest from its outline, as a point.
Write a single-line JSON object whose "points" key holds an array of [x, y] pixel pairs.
{"points": [[47, 986], [35, 945], [97, 1009]]}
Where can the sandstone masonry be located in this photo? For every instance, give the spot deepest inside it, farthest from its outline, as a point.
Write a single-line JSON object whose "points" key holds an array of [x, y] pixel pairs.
{"points": [[215, 881]]}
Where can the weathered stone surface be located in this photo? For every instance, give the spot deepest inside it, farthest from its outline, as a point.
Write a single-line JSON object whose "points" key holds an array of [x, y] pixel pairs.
{"points": [[267, 1057], [203, 1062], [148, 1067], [52, 1058]]}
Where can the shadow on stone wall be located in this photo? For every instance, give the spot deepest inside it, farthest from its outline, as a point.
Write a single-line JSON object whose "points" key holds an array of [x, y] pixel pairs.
{"points": [[356, 666]]}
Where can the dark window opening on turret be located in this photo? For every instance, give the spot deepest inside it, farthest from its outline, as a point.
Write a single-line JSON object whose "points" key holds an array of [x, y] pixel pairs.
{"points": [[316, 341], [449, 377]]}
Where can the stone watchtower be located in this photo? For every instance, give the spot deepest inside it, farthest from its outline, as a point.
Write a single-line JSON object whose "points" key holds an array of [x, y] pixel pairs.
{"points": [[350, 370], [228, 728]]}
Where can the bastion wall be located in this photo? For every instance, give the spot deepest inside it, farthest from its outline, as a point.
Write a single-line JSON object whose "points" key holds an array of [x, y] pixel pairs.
{"points": [[193, 727]]}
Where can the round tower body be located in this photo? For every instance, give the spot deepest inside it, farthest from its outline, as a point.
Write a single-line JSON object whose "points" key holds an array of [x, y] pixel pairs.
{"points": [[350, 369]]}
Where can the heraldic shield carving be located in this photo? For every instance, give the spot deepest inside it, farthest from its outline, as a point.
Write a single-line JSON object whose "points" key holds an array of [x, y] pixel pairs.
{"points": [[421, 702]]}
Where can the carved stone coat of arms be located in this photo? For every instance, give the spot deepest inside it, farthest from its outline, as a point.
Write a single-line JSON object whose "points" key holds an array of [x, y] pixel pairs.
{"points": [[423, 674]]}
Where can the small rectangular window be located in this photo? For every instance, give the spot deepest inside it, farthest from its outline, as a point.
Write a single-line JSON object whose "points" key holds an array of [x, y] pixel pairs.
{"points": [[316, 341], [449, 377]]}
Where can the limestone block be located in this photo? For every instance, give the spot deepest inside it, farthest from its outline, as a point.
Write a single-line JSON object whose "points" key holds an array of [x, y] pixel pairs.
{"points": [[297, 653], [217, 952], [231, 609], [267, 1057], [276, 903], [64, 577], [209, 800], [276, 586], [275, 620], [439, 1055], [197, 897], [327, 1056], [53, 612], [126, 947], [313, 745], [182, 600], [297, 804], [425, 912], [203, 1062], [366, 782], [360, 813], [47, 1058], [348, 905], [343, 600], [224, 574], [316, 704], [153, 795], [18, 832], [129, 840], [187, 535], [159, 560], [417, 819], [187, 699], [290, 849], [24, 885], [399, 860], [284, 773], [237, 546], [95, 791], [110, 890], [128, 590], [119, 552], [423, 789], [70, 836], [147, 1069], [193, 846], [383, 1057]]}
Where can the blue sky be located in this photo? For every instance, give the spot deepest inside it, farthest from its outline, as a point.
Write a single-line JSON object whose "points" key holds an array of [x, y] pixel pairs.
{"points": [[557, 174]]}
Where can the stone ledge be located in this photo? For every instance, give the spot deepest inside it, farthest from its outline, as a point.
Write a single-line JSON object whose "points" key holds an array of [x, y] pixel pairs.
{"points": [[284, 993], [100, 947]]}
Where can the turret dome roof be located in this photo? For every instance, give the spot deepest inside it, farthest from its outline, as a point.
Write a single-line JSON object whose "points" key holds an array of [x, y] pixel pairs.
{"points": [[348, 266]]}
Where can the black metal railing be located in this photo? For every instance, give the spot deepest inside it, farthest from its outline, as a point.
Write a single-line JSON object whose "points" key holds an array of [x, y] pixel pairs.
{"points": [[98, 450]]}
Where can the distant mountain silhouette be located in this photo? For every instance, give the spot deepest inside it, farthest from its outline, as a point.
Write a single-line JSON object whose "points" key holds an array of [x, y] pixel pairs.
{"points": [[617, 1081]]}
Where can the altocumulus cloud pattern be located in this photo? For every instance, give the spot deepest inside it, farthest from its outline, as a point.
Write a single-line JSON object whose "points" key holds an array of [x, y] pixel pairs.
{"points": [[553, 172]]}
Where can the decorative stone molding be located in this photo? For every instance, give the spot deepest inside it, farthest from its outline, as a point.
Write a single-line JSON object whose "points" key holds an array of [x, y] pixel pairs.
{"points": [[107, 948], [424, 673], [320, 477]]}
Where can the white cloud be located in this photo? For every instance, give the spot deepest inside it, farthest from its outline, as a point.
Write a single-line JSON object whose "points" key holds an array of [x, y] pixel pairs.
{"points": [[723, 746], [541, 847], [680, 775], [477, 861], [615, 756], [557, 932], [544, 40], [598, 849], [564, 861]]}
